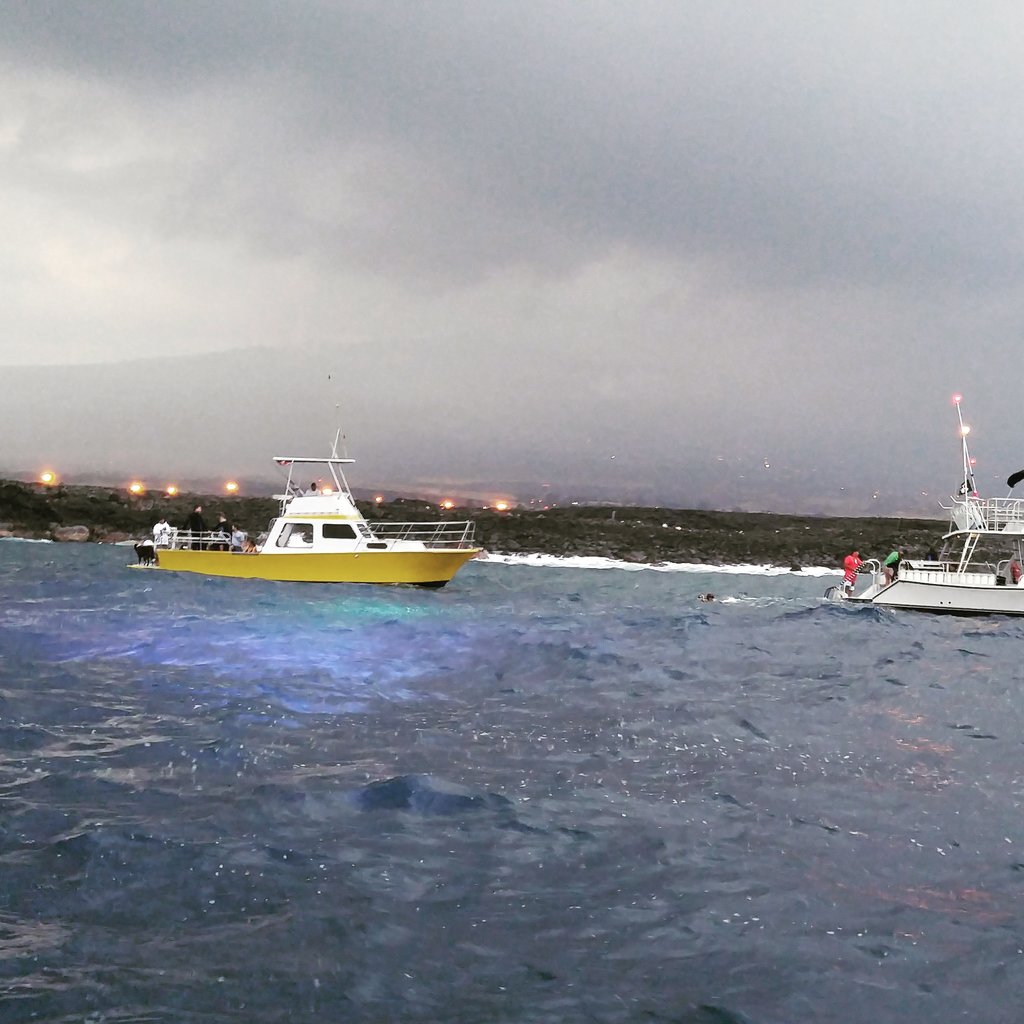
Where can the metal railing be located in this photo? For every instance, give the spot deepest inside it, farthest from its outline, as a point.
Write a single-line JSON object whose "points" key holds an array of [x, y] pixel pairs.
{"points": [[432, 535], [196, 540], [989, 514]]}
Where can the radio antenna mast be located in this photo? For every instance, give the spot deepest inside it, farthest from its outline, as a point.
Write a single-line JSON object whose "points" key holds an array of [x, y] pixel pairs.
{"points": [[967, 487]]}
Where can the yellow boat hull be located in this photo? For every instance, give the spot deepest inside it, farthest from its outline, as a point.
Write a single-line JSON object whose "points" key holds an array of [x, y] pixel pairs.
{"points": [[429, 568]]}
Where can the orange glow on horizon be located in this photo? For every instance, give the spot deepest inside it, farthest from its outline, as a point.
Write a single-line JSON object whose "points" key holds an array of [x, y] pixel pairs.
{"points": [[136, 487], [501, 506], [447, 503], [379, 499], [48, 478], [231, 487], [171, 490]]}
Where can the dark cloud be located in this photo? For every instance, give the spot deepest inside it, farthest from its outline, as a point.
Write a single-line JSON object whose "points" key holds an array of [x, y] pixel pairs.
{"points": [[864, 145], [697, 228]]}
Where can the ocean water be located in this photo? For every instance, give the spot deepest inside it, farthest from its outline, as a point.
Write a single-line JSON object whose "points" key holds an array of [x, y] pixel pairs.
{"points": [[546, 793]]}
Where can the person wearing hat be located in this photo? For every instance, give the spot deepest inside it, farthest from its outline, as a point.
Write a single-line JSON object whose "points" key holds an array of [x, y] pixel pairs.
{"points": [[851, 563]]}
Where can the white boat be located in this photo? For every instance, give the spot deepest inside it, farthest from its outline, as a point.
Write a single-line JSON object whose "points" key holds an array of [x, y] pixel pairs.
{"points": [[322, 537], [978, 571]]}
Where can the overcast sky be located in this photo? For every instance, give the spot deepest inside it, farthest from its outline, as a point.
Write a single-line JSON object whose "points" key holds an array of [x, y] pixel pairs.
{"points": [[519, 237]]}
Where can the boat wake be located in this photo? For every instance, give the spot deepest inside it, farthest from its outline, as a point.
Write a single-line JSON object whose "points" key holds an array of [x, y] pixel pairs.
{"points": [[596, 562]]}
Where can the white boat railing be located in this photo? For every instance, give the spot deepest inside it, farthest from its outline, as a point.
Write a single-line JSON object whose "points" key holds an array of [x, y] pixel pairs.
{"points": [[990, 515], [372, 535], [443, 534], [204, 540]]}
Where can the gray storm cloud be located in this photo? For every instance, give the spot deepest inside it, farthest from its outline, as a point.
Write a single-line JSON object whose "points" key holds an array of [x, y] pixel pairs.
{"points": [[696, 236]]}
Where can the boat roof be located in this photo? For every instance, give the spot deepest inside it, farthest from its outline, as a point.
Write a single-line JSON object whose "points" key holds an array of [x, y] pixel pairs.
{"points": [[287, 460]]}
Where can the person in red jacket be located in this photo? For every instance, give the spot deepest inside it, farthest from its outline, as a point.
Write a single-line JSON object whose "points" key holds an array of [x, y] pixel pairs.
{"points": [[851, 563]]}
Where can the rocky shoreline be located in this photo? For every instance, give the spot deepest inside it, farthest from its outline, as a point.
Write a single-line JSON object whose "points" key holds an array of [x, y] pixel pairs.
{"points": [[76, 514]]}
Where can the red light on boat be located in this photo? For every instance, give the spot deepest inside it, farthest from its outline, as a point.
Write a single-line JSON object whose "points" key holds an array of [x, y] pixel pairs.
{"points": [[957, 399]]}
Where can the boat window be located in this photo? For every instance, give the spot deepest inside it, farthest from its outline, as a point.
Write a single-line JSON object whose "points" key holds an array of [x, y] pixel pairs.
{"points": [[338, 531], [296, 535]]}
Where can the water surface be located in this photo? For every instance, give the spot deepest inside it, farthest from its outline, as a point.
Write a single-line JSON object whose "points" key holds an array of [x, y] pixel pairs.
{"points": [[540, 794]]}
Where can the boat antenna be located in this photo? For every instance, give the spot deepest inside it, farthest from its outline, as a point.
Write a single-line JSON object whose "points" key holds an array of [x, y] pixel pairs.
{"points": [[967, 487], [338, 436]]}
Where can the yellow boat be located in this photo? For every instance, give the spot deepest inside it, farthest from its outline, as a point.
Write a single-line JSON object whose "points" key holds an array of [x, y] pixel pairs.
{"points": [[322, 537]]}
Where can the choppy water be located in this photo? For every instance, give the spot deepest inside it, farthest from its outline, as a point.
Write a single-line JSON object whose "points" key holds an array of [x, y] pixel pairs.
{"points": [[542, 794]]}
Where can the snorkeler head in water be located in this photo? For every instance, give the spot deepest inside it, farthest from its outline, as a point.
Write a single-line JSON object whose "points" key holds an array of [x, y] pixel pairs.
{"points": [[706, 598]]}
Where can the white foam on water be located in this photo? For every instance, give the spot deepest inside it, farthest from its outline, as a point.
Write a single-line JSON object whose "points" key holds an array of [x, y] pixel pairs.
{"points": [[595, 562], [28, 540]]}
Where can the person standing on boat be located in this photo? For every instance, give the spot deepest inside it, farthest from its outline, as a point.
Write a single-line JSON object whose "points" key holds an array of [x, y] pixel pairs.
{"points": [[892, 565], [221, 533], [196, 524], [312, 492], [162, 533], [851, 563]]}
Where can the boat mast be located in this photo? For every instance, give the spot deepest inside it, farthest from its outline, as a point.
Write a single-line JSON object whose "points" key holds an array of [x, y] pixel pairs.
{"points": [[336, 471], [967, 487]]}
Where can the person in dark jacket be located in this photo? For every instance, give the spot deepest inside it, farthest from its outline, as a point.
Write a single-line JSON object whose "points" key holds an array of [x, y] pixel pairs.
{"points": [[195, 524], [221, 533]]}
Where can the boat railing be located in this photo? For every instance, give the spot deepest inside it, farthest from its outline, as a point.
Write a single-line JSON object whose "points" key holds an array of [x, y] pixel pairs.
{"points": [[441, 534], [991, 515], [198, 540]]}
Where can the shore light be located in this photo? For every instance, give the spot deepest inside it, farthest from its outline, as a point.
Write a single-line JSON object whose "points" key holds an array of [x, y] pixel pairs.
{"points": [[231, 487], [171, 490], [136, 487], [501, 506], [447, 504], [379, 499], [48, 478]]}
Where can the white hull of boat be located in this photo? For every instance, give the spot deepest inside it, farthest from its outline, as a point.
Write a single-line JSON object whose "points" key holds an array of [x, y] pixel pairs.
{"points": [[971, 593]]}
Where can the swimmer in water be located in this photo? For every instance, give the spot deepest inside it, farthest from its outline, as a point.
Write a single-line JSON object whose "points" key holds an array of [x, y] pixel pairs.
{"points": [[706, 598]]}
